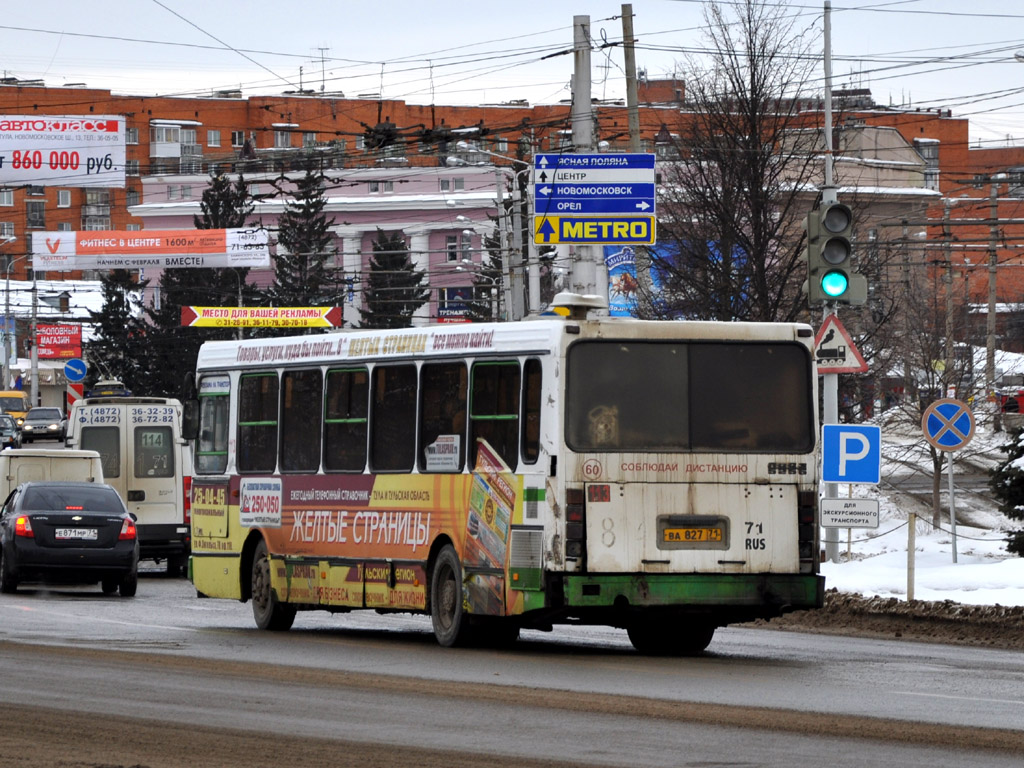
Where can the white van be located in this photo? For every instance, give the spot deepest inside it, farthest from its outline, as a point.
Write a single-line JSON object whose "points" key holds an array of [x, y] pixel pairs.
{"points": [[145, 458], [27, 465]]}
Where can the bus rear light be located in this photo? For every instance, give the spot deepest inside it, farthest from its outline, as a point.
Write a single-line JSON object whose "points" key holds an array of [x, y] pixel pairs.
{"points": [[23, 527], [574, 505], [186, 483], [575, 522]]}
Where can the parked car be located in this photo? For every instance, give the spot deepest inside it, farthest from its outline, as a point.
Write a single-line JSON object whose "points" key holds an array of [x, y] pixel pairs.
{"points": [[10, 435], [44, 423], [68, 533]]}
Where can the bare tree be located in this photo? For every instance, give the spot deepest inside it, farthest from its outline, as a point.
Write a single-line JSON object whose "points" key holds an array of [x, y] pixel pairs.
{"points": [[730, 234]]}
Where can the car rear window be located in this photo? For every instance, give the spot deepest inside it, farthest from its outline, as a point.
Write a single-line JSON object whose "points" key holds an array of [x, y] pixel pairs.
{"points": [[45, 413], [86, 499]]}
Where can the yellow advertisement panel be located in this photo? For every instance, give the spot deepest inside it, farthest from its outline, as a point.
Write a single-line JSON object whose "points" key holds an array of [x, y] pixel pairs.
{"points": [[261, 317]]}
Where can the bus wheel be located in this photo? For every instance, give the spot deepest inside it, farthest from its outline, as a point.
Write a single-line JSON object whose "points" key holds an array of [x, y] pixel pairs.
{"points": [[655, 638], [266, 610], [451, 624]]}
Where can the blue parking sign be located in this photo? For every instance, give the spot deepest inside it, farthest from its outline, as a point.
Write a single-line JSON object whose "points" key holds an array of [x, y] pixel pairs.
{"points": [[851, 453]]}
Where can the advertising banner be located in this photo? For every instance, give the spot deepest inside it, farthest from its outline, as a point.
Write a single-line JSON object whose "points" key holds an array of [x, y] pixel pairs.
{"points": [[59, 341], [163, 249], [261, 317], [62, 151]]}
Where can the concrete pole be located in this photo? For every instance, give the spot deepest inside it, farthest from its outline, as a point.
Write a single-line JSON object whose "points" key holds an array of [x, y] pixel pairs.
{"points": [[632, 107], [584, 273], [990, 320], [35, 341]]}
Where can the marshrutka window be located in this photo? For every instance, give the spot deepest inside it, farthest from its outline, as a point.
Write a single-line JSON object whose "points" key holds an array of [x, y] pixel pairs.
{"points": [[107, 442], [257, 422], [153, 454], [345, 411], [689, 396], [301, 397], [212, 445], [393, 425], [494, 410], [442, 417]]}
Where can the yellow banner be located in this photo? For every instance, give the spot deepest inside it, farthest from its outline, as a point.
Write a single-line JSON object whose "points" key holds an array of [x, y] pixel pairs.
{"points": [[261, 317]]}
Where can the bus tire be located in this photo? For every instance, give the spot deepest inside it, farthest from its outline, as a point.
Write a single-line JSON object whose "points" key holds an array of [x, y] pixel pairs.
{"points": [[266, 610], [655, 638], [450, 621]]}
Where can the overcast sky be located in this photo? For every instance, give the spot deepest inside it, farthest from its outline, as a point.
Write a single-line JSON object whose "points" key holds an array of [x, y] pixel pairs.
{"points": [[927, 53]]}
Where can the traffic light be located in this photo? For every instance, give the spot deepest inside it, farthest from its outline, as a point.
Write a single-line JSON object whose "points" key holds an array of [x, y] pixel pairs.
{"points": [[830, 275]]}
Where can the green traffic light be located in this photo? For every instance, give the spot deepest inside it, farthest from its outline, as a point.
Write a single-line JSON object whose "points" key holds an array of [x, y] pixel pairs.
{"points": [[834, 283]]}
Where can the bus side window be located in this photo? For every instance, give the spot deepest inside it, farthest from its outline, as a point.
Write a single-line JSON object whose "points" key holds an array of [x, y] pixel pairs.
{"points": [[301, 401], [393, 424], [212, 445], [530, 438], [345, 410], [494, 410], [257, 422], [442, 417]]}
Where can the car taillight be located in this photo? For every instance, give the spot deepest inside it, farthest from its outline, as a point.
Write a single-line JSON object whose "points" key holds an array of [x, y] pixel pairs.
{"points": [[23, 527], [575, 522], [186, 484], [127, 530]]}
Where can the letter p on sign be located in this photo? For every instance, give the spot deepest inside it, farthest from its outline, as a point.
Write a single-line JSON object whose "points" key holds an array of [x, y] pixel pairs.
{"points": [[851, 453]]}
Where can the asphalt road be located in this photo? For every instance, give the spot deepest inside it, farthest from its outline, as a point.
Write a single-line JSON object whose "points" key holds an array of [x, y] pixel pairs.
{"points": [[167, 660]]}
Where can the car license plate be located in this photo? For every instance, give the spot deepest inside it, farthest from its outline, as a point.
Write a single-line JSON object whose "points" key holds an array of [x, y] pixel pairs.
{"points": [[691, 534], [88, 534]]}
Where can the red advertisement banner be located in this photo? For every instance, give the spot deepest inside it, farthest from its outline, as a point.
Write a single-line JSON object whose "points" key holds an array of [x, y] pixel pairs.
{"points": [[59, 341]]}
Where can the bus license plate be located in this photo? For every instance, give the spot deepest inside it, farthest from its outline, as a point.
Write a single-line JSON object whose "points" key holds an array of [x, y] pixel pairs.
{"points": [[680, 535], [88, 534]]}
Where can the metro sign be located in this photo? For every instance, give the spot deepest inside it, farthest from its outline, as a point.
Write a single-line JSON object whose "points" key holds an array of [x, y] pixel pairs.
{"points": [[598, 199]]}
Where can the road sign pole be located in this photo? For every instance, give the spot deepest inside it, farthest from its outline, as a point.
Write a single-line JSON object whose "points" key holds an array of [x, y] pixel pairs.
{"points": [[952, 505], [911, 549]]}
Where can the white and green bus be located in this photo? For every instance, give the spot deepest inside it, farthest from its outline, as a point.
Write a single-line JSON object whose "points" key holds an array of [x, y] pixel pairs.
{"points": [[660, 477]]}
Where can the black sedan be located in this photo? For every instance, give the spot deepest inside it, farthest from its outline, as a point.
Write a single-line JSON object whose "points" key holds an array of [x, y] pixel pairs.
{"points": [[44, 423], [10, 434], [68, 533]]}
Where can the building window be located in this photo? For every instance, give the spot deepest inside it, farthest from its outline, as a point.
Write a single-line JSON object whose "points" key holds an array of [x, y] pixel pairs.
{"points": [[172, 192], [309, 139], [451, 247], [63, 198], [35, 214], [6, 197], [360, 142], [64, 226], [6, 229], [41, 191], [282, 139], [95, 223], [131, 135], [186, 192], [131, 167], [254, 190], [133, 228], [212, 138], [382, 186], [237, 138], [449, 185], [131, 197], [165, 134]]}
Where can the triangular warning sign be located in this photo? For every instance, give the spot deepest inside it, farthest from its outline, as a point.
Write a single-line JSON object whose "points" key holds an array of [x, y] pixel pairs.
{"points": [[835, 351]]}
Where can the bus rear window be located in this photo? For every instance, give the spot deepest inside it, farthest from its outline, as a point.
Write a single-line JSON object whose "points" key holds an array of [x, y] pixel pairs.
{"points": [[672, 396]]}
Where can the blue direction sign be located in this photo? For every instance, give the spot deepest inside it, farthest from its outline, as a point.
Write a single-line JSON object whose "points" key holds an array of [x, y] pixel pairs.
{"points": [[594, 198], [851, 453], [948, 424], [74, 370]]}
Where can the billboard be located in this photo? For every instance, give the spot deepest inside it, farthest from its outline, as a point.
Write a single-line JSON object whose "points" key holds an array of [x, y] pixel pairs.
{"points": [[59, 341], [261, 317], [62, 150], [164, 249]]}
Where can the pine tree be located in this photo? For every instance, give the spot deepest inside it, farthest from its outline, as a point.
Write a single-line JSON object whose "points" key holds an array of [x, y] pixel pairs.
{"points": [[174, 349], [1007, 485], [302, 277], [394, 288], [120, 348]]}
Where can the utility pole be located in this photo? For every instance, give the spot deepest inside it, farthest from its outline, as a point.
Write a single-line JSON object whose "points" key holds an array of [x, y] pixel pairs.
{"points": [[632, 109], [990, 320], [584, 266], [34, 390]]}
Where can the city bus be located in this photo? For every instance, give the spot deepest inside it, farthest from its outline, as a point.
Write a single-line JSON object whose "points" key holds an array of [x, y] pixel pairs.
{"points": [[659, 477]]}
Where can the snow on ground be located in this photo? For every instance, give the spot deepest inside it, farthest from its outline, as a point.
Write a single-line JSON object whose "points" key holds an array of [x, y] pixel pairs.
{"points": [[984, 574]]}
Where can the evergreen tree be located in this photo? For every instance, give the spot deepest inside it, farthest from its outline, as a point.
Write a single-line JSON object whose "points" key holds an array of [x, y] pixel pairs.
{"points": [[1008, 487], [302, 277], [172, 348], [119, 349], [394, 288]]}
